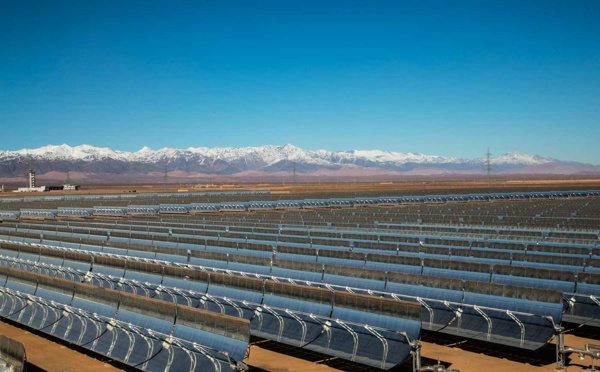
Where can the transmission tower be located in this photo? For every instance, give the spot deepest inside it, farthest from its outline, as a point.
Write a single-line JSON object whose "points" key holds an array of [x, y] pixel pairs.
{"points": [[294, 172], [488, 163]]}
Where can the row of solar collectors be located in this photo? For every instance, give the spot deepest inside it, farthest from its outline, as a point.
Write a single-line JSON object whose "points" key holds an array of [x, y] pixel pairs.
{"points": [[476, 263], [458, 230], [405, 248], [362, 220], [566, 207], [144, 333], [509, 315], [396, 217], [296, 204], [471, 214], [366, 241], [125, 202], [365, 329], [457, 236], [515, 212], [540, 271], [500, 210], [242, 195], [398, 220], [308, 234], [131, 196]]}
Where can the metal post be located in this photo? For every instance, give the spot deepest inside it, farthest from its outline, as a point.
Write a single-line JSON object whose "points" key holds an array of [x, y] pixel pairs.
{"points": [[416, 355], [562, 350], [560, 344]]}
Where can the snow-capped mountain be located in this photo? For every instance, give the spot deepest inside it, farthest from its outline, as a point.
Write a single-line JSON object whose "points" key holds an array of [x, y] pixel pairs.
{"points": [[518, 158], [245, 161]]}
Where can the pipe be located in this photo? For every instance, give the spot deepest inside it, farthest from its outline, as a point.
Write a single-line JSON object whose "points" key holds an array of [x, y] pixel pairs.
{"points": [[592, 346], [416, 347], [562, 350], [586, 351], [437, 368]]}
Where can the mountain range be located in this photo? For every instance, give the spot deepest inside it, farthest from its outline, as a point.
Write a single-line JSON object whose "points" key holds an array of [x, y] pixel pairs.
{"points": [[86, 162]]}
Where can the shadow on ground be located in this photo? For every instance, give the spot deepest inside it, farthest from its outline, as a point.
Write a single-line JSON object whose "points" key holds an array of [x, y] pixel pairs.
{"points": [[333, 362], [543, 356]]}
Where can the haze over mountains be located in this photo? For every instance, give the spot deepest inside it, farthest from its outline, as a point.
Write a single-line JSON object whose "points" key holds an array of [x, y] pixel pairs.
{"points": [[93, 163]]}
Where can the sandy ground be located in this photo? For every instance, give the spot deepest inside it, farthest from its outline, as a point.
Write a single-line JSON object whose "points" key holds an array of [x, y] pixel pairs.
{"points": [[46, 355], [465, 356], [471, 361]]}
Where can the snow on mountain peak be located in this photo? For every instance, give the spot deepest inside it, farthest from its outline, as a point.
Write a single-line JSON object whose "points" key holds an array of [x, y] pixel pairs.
{"points": [[268, 158], [68, 153], [518, 158]]}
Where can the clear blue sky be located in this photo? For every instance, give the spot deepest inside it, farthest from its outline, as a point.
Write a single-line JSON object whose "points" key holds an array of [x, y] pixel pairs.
{"points": [[438, 77]]}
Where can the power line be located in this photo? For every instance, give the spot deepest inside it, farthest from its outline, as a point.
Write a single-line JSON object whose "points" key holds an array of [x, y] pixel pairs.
{"points": [[488, 162]]}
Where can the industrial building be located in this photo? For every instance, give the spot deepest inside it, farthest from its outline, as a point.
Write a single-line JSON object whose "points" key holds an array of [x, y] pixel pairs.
{"points": [[32, 187]]}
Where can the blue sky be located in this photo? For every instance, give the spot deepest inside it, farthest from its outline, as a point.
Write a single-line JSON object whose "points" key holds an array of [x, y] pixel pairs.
{"points": [[438, 77]]}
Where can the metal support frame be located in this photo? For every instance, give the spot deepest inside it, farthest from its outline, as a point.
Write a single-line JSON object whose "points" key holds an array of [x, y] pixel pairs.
{"points": [[562, 350], [213, 300], [429, 309], [302, 324], [415, 345], [31, 300], [190, 354], [115, 335], [167, 345], [70, 320], [84, 325], [487, 319], [519, 323], [326, 328], [383, 343], [416, 350], [235, 306], [593, 298], [279, 319], [354, 337], [457, 313], [214, 361]]}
